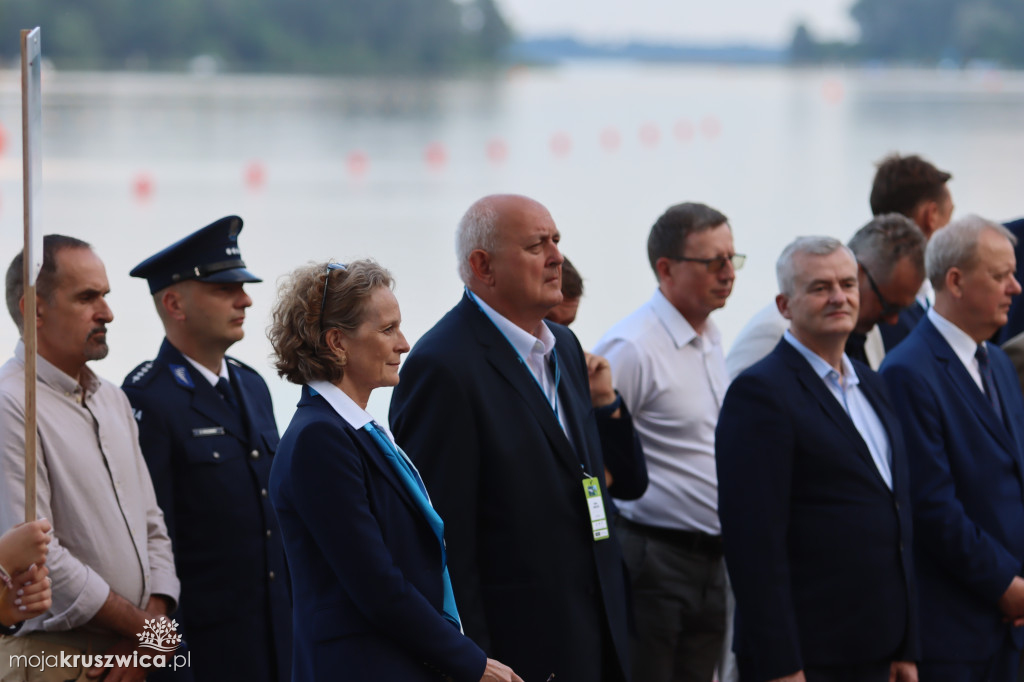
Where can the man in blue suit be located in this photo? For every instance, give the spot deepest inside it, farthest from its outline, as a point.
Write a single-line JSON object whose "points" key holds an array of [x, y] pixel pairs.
{"points": [[914, 187], [206, 426], [963, 417], [495, 410], [814, 494]]}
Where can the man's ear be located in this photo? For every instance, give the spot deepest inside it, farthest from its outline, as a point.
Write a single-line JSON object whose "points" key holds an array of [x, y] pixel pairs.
{"points": [[926, 215], [480, 262], [172, 302], [954, 282], [782, 303], [662, 268]]}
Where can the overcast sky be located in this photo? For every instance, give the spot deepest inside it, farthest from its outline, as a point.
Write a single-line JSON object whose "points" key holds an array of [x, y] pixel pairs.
{"points": [[690, 21]]}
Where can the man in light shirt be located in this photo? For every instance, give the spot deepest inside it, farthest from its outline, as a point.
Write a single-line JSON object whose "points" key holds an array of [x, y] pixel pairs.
{"points": [[890, 270], [668, 366], [110, 559], [814, 496], [962, 412]]}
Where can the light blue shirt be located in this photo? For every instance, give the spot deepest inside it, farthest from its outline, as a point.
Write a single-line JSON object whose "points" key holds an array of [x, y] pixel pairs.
{"points": [[846, 390], [534, 351]]}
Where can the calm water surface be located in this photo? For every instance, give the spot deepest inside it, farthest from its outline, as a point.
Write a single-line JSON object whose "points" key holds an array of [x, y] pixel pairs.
{"points": [[348, 168]]}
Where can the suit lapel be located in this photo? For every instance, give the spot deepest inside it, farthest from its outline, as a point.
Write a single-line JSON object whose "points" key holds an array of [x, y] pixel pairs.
{"points": [[379, 460], [205, 398], [816, 386], [964, 382], [889, 421], [506, 361]]}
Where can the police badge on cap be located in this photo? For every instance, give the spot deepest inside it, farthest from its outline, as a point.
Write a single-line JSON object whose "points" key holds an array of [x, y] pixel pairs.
{"points": [[210, 254]]}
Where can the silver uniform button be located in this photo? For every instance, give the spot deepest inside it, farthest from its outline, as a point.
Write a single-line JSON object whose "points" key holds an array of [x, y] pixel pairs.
{"points": [[264, 492], [216, 455], [269, 533], [255, 454], [271, 575]]}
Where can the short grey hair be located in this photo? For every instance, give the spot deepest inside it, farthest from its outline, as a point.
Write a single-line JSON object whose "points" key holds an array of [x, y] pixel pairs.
{"points": [[956, 246], [478, 229], [785, 270], [887, 240]]}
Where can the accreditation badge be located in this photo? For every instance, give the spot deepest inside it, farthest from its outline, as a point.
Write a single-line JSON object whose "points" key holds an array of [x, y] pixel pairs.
{"points": [[598, 518]]}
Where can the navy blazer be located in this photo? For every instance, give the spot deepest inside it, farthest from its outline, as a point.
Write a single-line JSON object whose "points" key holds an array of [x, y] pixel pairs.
{"points": [[967, 489], [533, 586], [366, 566], [210, 470], [817, 546]]}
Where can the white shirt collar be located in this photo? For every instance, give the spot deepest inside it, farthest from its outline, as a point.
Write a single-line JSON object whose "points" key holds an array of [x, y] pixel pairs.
{"points": [[675, 324], [821, 366], [347, 409], [960, 341], [525, 343], [207, 374]]}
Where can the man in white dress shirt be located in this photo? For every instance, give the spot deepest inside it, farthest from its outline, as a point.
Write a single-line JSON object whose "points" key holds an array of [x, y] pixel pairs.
{"points": [[668, 366]]}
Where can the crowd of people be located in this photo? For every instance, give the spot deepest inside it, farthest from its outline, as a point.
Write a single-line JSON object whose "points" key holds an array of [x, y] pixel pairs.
{"points": [[838, 498]]}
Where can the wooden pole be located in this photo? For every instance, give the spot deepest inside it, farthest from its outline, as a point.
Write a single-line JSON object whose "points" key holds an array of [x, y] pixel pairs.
{"points": [[31, 115]]}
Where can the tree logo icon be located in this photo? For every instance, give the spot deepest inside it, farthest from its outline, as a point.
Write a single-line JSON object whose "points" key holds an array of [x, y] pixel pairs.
{"points": [[160, 634]]}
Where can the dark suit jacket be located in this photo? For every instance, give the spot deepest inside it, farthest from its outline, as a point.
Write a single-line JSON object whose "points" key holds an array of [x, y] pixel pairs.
{"points": [[892, 334], [967, 491], [817, 546], [533, 587], [366, 566], [210, 470]]}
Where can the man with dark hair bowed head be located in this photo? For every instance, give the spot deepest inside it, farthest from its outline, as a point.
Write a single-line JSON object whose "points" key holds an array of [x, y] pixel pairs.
{"points": [[495, 410], [914, 187], [962, 412], [206, 426], [814, 494], [110, 558], [572, 291]]}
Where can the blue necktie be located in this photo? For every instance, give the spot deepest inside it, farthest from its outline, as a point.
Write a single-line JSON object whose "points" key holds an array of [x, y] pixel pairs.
{"points": [[981, 354], [414, 484]]}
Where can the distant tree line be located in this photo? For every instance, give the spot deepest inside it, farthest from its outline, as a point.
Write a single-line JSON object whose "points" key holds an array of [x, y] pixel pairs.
{"points": [[925, 32], [318, 36]]}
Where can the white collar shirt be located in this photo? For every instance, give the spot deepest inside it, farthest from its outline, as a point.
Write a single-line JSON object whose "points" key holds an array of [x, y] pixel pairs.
{"points": [[673, 381], [534, 351], [962, 344], [207, 374], [845, 388]]}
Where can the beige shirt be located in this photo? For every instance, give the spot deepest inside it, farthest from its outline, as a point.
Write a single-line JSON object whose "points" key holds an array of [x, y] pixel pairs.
{"points": [[93, 486]]}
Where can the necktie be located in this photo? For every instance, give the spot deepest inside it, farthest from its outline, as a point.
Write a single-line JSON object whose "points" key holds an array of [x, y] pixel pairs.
{"points": [[981, 354], [227, 392], [414, 484]]}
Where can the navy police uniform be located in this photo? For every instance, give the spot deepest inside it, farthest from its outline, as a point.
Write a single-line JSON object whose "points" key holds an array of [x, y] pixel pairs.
{"points": [[210, 463]]}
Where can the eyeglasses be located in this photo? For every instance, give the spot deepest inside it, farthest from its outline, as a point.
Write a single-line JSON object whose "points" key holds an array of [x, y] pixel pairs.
{"points": [[715, 265], [888, 309], [327, 281]]}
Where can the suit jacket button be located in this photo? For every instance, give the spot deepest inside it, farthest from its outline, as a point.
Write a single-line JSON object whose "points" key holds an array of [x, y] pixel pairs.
{"points": [[255, 454], [216, 455], [271, 575], [269, 533], [264, 492]]}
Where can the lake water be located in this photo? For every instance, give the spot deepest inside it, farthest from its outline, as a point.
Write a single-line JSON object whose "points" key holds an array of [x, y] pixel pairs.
{"points": [[346, 168]]}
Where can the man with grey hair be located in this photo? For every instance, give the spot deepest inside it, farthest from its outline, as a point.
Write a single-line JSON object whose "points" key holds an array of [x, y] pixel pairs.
{"points": [[669, 368], [813, 494], [963, 416], [494, 408], [890, 255], [110, 559]]}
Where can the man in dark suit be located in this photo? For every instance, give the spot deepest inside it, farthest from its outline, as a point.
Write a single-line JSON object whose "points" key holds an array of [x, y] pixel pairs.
{"points": [[963, 418], [813, 494], [914, 187], [206, 426], [494, 408]]}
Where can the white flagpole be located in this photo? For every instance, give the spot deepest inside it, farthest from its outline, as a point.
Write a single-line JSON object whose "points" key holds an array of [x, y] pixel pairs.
{"points": [[31, 121]]}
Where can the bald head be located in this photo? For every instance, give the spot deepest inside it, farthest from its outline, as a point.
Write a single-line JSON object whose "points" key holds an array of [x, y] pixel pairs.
{"points": [[507, 246]]}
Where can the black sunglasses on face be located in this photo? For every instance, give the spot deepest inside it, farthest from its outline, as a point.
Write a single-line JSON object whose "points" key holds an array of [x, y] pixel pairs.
{"points": [[888, 309]]}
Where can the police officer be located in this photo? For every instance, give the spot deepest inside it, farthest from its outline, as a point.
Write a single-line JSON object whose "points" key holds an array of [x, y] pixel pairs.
{"points": [[207, 431]]}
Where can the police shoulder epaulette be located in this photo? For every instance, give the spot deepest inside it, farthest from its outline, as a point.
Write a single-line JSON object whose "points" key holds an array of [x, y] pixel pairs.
{"points": [[141, 375], [240, 364]]}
